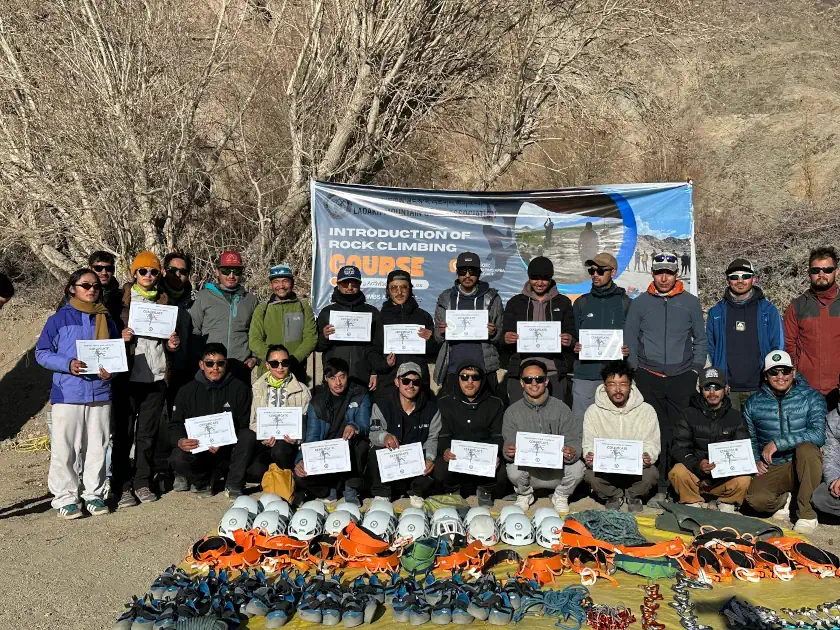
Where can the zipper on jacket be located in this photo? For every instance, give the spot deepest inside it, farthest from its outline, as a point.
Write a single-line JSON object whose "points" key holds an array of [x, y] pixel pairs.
{"points": [[665, 340]]}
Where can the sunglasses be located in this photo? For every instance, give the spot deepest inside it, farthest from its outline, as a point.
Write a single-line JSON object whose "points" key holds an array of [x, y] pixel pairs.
{"points": [[668, 272], [826, 270], [775, 371], [469, 271], [664, 258], [276, 364], [87, 286], [599, 270], [410, 382], [739, 276], [178, 270], [712, 387], [148, 272], [230, 271], [531, 379], [215, 364], [101, 268], [475, 378]]}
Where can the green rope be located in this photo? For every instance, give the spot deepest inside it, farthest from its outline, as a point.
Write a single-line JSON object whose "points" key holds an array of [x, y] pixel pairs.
{"points": [[618, 528]]}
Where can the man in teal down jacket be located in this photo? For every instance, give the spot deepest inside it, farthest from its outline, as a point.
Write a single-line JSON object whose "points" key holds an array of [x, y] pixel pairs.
{"points": [[786, 420], [284, 320]]}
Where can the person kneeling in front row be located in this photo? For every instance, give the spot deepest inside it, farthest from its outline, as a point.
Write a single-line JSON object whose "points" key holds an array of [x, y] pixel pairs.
{"points": [[710, 418], [620, 413]]}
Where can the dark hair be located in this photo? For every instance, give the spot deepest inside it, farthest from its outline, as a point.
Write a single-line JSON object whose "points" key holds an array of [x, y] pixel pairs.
{"points": [[532, 363], [7, 289], [277, 347], [176, 254], [214, 348], [74, 279], [334, 365], [102, 256], [823, 252], [617, 368]]}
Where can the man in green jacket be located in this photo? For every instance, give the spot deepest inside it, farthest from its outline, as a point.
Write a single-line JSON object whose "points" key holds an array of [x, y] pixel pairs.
{"points": [[284, 320]]}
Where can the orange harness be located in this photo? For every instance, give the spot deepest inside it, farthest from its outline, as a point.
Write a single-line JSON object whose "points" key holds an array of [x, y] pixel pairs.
{"points": [[470, 556], [542, 566], [578, 560], [216, 551], [669, 549], [357, 547], [576, 535], [821, 563]]}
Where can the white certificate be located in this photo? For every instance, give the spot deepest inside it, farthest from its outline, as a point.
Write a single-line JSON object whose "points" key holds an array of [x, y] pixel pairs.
{"points": [[601, 345], [404, 339], [539, 450], [466, 325], [277, 422], [732, 458], [621, 457], [106, 353], [152, 320], [541, 337], [214, 430], [350, 326], [474, 458], [326, 456], [405, 462]]}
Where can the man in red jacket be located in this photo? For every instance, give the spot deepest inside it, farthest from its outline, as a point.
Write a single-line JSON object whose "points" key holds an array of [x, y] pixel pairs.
{"points": [[812, 324]]}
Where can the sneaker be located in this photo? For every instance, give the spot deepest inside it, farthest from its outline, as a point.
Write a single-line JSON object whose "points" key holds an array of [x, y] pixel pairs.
{"points": [[635, 505], [727, 508], [69, 512], [657, 500], [144, 495], [351, 495], [180, 484], [127, 500], [805, 526], [485, 499], [614, 503], [784, 513], [417, 502], [96, 507], [560, 503], [233, 493], [524, 501], [203, 492]]}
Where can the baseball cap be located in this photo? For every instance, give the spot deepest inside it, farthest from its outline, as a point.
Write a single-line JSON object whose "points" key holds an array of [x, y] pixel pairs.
{"points": [[740, 264], [409, 368], [777, 358], [665, 260], [230, 258], [280, 271], [348, 272], [603, 260], [468, 259], [712, 375]]}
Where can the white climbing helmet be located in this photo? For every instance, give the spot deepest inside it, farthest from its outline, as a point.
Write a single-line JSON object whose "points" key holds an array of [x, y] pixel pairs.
{"points": [[381, 505], [542, 513], [483, 528], [380, 524], [272, 522], [280, 506], [507, 511], [319, 507], [548, 532], [249, 503], [235, 518], [475, 511], [516, 530], [412, 527], [446, 521], [266, 498], [337, 521], [305, 524], [445, 511], [414, 511]]}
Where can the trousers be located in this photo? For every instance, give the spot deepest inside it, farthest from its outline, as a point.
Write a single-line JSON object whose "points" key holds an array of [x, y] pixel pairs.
{"points": [[141, 427], [200, 468], [583, 395], [79, 432], [691, 488], [608, 486], [319, 486], [802, 476], [251, 458], [468, 484], [563, 482], [416, 486], [824, 501], [739, 398]]}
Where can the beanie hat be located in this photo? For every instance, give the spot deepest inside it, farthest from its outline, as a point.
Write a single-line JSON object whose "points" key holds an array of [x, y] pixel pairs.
{"points": [[540, 267], [145, 259]]}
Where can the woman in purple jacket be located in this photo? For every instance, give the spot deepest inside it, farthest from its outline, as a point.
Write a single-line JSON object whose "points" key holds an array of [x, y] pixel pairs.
{"points": [[81, 411]]}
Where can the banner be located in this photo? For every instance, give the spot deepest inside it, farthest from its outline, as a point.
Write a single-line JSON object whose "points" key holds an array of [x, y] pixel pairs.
{"points": [[423, 231]]}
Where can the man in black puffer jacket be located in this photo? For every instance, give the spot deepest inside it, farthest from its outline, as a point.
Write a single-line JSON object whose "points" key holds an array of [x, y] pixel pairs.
{"points": [[710, 418], [471, 414]]}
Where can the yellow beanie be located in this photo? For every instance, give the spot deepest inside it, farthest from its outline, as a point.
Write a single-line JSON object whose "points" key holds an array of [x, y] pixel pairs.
{"points": [[145, 259]]}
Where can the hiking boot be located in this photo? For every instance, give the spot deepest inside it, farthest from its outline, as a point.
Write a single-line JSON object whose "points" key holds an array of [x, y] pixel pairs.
{"points": [[657, 500], [614, 503], [634, 505], [524, 501], [144, 495], [127, 500], [485, 499], [805, 526], [233, 493], [203, 492], [180, 484], [96, 507], [69, 512], [560, 503]]}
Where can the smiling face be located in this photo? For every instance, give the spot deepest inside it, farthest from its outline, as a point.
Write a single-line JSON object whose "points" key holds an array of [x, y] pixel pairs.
{"points": [[540, 285], [534, 389], [713, 395], [146, 277], [278, 357], [409, 385], [399, 291], [214, 367], [740, 282], [349, 287], [282, 287], [602, 276], [104, 270], [229, 277], [779, 380]]}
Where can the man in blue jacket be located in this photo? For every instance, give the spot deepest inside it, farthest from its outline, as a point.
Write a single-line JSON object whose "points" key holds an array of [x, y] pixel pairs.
{"points": [[339, 409], [742, 329], [786, 420]]}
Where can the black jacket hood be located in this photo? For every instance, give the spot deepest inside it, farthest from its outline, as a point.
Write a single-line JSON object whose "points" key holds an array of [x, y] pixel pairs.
{"points": [[757, 294], [483, 392]]}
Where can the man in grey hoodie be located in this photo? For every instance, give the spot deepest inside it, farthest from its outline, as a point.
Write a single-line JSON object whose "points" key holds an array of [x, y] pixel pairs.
{"points": [[666, 336], [538, 412], [826, 497]]}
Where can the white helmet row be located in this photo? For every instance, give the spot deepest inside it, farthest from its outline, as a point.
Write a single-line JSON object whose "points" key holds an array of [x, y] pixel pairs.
{"points": [[507, 511], [380, 523], [548, 532], [281, 507], [516, 530], [475, 511], [306, 524], [542, 513], [319, 507], [266, 498], [446, 521], [272, 522], [381, 505], [235, 518], [414, 511], [483, 528], [337, 521], [247, 503], [350, 507], [413, 526]]}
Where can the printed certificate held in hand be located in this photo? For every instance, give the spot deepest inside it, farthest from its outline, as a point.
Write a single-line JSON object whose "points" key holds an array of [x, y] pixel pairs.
{"points": [[467, 325], [536, 337], [214, 430], [732, 459], [326, 456], [601, 344], [539, 450], [403, 339], [474, 458], [620, 457], [102, 353], [152, 320], [405, 462], [350, 326], [279, 422]]}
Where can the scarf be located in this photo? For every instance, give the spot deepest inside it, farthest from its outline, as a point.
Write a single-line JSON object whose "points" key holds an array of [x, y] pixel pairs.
{"points": [[273, 382], [611, 289], [95, 308], [175, 294], [148, 294], [678, 288]]}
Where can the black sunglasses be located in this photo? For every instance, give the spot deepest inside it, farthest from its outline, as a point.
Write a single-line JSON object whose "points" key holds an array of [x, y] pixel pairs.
{"points": [[230, 271], [475, 378], [178, 270], [276, 364], [212, 363], [782, 369], [469, 271], [87, 286], [530, 379], [664, 258], [150, 272], [739, 276], [410, 382], [101, 268], [712, 387], [826, 270], [599, 270]]}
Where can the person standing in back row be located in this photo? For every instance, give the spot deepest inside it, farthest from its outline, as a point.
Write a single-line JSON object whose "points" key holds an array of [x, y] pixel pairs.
{"points": [[742, 329], [667, 341]]}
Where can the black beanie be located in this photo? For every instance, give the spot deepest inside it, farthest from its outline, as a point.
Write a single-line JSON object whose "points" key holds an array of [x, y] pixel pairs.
{"points": [[540, 266]]}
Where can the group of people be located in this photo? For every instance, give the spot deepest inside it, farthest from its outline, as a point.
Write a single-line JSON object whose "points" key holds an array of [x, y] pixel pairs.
{"points": [[766, 382]]}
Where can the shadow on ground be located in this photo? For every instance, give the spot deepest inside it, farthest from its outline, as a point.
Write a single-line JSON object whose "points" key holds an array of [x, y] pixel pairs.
{"points": [[24, 390]]}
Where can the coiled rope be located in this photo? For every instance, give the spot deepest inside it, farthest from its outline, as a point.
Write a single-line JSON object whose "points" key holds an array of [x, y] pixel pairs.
{"points": [[618, 528]]}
